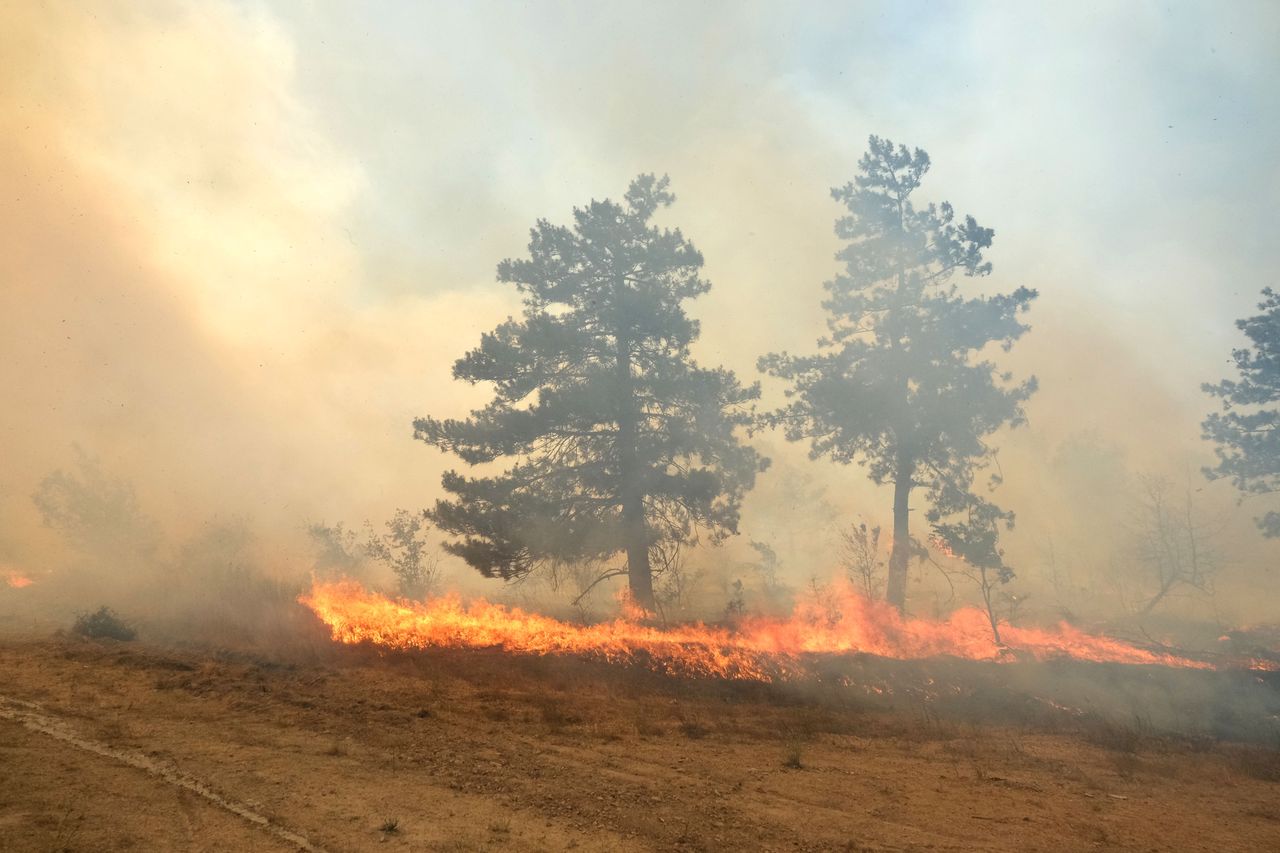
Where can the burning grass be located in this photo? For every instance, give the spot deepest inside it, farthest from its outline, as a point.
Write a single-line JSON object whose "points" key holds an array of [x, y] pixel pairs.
{"points": [[756, 649], [831, 660]]}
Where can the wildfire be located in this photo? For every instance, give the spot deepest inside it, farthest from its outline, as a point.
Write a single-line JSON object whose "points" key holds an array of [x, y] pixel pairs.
{"points": [[355, 615], [17, 580], [760, 649], [940, 545]]}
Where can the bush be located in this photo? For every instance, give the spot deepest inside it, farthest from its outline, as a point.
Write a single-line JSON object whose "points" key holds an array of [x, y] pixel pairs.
{"points": [[104, 623]]}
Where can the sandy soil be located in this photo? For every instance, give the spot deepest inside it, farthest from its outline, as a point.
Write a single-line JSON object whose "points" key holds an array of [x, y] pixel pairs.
{"points": [[478, 751]]}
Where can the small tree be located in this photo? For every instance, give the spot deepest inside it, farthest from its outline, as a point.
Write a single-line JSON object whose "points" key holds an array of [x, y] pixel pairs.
{"points": [[337, 549], [675, 580], [975, 541], [401, 546], [1246, 433], [403, 549], [621, 442], [1174, 542], [860, 556], [767, 564], [900, 386]]}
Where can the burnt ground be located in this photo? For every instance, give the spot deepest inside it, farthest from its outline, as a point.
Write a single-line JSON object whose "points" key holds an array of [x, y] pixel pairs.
{"points": [[108, 746]]}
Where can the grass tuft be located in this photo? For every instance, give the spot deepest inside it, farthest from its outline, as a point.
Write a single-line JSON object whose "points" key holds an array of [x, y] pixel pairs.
{"points": [[794, 759]]}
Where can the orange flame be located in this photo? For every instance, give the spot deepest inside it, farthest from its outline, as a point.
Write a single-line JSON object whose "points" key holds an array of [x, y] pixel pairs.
{"points": [[759, 649], [17, 580], [940, 545]]}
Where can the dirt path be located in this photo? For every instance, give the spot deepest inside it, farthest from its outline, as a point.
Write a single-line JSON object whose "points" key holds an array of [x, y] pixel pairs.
{"points": [[54, 797], [28, 715], [476, 752]]}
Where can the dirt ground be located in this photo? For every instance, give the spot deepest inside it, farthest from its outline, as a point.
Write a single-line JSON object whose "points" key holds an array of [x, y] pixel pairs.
{"points": [[124, 746]]}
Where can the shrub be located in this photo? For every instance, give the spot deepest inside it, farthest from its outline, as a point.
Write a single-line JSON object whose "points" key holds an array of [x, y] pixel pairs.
{"points": [[694, 730], [103, 623]]}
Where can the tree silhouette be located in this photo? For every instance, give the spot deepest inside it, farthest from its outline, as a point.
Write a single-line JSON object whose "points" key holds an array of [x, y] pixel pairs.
{"points": [[1175, 540], [97, 513], [899, 385], [974, 539], [1246, 431], [622, 443]]}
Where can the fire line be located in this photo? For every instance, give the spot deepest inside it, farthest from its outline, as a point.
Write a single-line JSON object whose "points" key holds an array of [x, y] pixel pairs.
{"points": [[760, 649]]}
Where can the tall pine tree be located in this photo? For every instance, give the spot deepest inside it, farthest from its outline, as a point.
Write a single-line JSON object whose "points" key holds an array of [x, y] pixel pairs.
{"points": [[622, 443], [899, 385], [1247, 430]]}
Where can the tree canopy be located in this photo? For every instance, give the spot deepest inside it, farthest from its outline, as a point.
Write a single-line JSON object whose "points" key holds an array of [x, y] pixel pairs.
{"points": [[97, 513], [900, 384], [621, 442], [1247, 430]]}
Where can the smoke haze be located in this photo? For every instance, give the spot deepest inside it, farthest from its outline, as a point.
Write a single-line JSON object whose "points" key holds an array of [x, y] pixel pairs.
{"points": [[242, 243]]}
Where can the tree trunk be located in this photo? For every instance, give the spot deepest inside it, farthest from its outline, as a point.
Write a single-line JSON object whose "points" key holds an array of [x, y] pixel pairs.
{"points": [[991, 611], [1165, 587], [900, 556], [631, 489], [639, 572], [896, 584]]}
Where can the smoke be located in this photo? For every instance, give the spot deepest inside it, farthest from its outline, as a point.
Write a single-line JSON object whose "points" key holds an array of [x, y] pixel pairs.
{"points": [[181, 298], [242, 243]]}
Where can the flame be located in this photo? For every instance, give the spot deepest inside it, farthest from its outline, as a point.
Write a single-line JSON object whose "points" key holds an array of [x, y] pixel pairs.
{"points": [[632, 610], [940, 545], [17, 580], [355, 615], [760, 649]]}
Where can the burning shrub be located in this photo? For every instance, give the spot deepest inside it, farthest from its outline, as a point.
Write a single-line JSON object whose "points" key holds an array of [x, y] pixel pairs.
{"points": [[104, 622]]}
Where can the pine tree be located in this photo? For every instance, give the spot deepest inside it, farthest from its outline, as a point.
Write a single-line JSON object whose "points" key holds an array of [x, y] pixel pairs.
{"points": [[900, 385], [1246, 431], [622, 443]]}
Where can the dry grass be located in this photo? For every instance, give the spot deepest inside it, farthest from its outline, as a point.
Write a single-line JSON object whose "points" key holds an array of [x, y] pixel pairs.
{"points": [[595, 755], [1260, 764], [694, 730]]}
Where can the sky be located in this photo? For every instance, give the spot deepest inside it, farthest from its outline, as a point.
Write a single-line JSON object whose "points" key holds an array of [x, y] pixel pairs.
{"points": [[241, 243]]}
